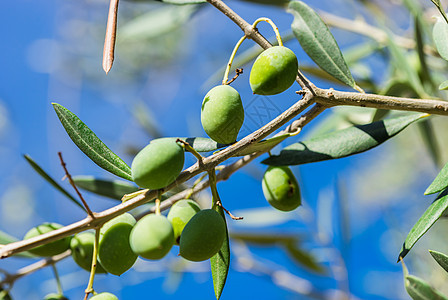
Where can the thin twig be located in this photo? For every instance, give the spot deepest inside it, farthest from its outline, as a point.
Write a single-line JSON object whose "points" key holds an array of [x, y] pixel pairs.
{"points": [[67, 174], [238, 72], [219, 203], [109, 41]]}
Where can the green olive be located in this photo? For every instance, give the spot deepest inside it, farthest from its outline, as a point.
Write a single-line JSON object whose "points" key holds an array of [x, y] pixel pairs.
{"points": [[280, 188], [54, 296], [274, 71], [222, 114], [49, 249], [203, 236], [82, 251], [114, 252], [152, 237], [180, 213], [158, 164], [104, 296]]}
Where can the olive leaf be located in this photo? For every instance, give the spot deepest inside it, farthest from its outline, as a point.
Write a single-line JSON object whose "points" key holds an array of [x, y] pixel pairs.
{"points": [[48, 178], [220, 262], [263, 145], [440, 8], [318, 42], [419, 289], [443, 85], [114, 189], [439, 183], [441, 259], [429, 217], [90, 144], [440, 36], [302, 257], [342, 143]]}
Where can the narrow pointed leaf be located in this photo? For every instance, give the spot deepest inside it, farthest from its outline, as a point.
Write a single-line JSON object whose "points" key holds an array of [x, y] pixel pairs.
{"points": [[430, 140], [220, 262], [7, 239], [48, 178], [263, 145], [441, 259], [201, 144], [419, 289], [429, 217], [114, 189], [440, 182], [440, 8], [342, 143], [440, 36], [90, 144], [318, 42], [303, 258]]}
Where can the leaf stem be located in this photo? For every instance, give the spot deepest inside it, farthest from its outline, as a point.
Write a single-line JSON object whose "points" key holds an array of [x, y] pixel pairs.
{"points": [[232, 57], [274, 27]]}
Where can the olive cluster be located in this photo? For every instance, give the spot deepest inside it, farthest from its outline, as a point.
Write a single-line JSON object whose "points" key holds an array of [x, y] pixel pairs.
{"points": [[199, 233]]}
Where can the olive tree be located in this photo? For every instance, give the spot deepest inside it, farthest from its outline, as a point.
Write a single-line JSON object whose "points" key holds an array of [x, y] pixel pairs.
{"points": [[385, 80]]}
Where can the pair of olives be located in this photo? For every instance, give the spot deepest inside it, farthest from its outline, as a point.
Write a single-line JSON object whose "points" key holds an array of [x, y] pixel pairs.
{"points": [[222, 113], [199, 233]]}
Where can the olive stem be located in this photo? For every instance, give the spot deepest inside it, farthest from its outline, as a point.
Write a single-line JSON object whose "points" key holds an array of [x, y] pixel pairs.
{"points": [[89, 288], [274, 27], [228, 212], [191, 150], [70, 179], [232, 57], [58, 279], [159, 196], [212, 183]]}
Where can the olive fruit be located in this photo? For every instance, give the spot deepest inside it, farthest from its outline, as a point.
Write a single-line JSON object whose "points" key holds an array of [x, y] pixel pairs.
{"points": [[274, 71], [179, 215], [114, 252], [203, 236], [152, 237], [54, 296], [158, 164], [222, 114], [49, 249], [104, 296], [281, 189], [82, 251]]}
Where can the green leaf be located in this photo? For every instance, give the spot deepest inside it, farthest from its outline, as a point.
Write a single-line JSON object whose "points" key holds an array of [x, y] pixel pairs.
{"points": [[201, 144], [440, 36], [429, 217], [443, 85], [342, 143], [439, 183], [441, 259], [47, 177], [419, 289], [263, 145], [264, 238], [440, 8], [303, 258], [429, 139], [114, 189], [157, 22], [318, 42], [7, 239], [90, 144], [4, 294], [220, 262]]}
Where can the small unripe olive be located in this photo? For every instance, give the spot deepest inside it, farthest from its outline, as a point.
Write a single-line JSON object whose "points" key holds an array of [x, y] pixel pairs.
{"points": [[104, 296], [54, 296], [82, 251], [49, 249], [114, 252], [280, 188], [203, 236], [152, 237], [222, 114], [274, 71], [180, 213], [158, 164]]}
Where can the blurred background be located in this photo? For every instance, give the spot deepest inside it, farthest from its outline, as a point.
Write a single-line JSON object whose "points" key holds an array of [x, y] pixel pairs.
{"points": [[342, 243]]}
